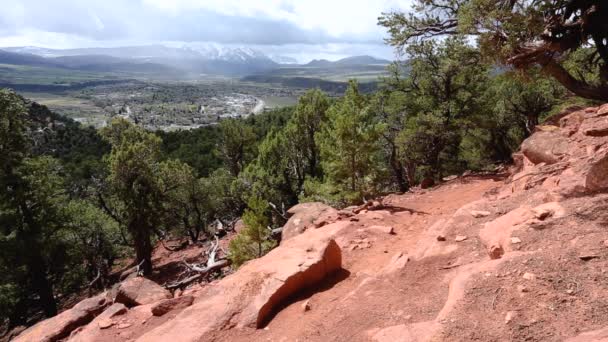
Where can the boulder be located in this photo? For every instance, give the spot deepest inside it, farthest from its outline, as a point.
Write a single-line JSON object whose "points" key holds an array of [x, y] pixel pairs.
{"points": [[103, 321], [545, 147], [60, 326], [252, 295], [308, 215], [597, 177], [164, 306], [140, 291]]}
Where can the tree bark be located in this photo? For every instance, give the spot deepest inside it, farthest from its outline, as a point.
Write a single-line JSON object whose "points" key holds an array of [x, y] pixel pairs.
{"points": [[143, 246], [42, 286], [579, 88], [397, 168]]}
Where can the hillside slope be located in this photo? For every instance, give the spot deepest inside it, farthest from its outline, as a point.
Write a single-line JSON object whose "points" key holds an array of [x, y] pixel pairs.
{"points": [[519, 257]]}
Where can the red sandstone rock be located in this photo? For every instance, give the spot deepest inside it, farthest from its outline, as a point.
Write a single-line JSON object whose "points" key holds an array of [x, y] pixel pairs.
{"points": [[250, 296], [140, 291], [167, 305], [92, 331], [306, 216], [60, 326], [383, 229], [545, 147]]}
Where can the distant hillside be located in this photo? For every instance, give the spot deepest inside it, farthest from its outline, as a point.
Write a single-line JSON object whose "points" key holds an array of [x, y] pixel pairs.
{"points": [[91, 63], [326, 75], [186, 61], [348, 62], [7, 57], [179, 62]]}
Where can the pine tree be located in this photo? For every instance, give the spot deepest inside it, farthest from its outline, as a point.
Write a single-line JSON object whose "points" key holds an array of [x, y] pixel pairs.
{"points": [[135, 190], [349, 148], [254, 240]]}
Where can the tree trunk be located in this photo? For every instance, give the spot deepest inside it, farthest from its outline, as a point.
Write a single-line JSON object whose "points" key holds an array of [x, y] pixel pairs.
{"points": [[397, 170], [42, 286], [143, 246], [411, 173], [579, 88]]}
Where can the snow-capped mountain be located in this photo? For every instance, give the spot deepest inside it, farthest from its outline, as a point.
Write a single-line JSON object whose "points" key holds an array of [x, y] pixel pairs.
{"points": [[206, 58], [226, 53]]}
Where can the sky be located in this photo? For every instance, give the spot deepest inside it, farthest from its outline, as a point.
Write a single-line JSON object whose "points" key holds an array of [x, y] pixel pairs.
{"points": [[303, 29]]}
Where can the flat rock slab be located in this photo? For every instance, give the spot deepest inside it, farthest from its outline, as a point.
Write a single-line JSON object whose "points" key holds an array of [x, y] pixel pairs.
{"points": [[164, 306], [93, 330], [250, 296], [60, 326]]}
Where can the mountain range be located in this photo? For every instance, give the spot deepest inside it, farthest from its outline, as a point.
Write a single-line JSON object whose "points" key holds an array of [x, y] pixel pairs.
{"points": [[186, 60]]}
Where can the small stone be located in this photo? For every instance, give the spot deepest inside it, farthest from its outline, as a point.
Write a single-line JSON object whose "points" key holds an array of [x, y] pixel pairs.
{"points": [[509, 317], [124, 326], [480, 213], [408, 317], [515, 240], [441, 238], [306, 306], [587, 257], [460, 238], [105, 323], [570, 291], [496, 252], [522, 289], [543, 214], [529, 276], [605, 243]]}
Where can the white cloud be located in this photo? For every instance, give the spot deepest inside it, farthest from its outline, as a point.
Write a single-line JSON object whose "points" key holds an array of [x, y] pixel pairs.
{"points": [[335, 17], [319, 28]]}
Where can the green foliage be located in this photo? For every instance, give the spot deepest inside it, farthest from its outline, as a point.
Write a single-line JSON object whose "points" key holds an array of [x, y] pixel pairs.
{"points": [[349, 149], [443, 105], [288, 155], [136, 184], [13, 141], [254, 240], [197, 148], [48, 241], [550, 34], [526, 99], [237, 146]]}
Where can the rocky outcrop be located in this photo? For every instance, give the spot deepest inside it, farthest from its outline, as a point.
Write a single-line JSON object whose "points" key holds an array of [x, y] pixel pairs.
{"points": [[306, 216], [249, 297], [140, 291], [545, 147], [60, 326], [569, 158]]}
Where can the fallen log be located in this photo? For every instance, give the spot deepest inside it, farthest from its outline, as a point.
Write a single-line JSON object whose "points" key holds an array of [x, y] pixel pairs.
{"points": [[210, 266], [201, 272]]}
